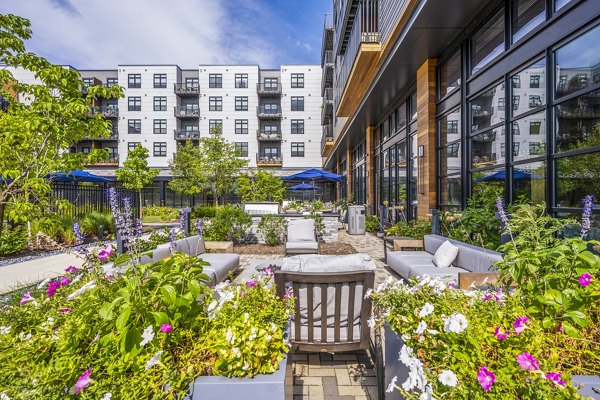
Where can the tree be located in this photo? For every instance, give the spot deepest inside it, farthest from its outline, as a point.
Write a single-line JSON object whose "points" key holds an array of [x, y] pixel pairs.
{"points": [[211, 165], [135, 173], [37, 131], [260, 185]]}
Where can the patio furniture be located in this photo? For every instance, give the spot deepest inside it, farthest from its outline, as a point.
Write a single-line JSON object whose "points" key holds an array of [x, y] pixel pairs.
{"points": [[389, 240], [470, 262], [221, 247], [302, 237]]}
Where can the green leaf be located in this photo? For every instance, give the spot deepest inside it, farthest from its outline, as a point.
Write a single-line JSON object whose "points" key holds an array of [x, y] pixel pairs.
{"points": [[578, 317], [169, 294], [105, 311], [123, 318], [160, 317], [569, 329], [131, 339]]}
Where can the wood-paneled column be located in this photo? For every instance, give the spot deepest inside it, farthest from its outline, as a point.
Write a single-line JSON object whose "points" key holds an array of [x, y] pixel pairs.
{"points": [[369, 165], [349, 177]]}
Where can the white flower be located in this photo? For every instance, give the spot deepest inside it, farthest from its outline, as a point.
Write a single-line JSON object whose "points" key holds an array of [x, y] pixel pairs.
{"points": [[421, 328], [155, 360], [3, 396], [416, 376], [427, 394], [212, 306], [426, 310], [245, 366], [406, 355], [107, 396], [82, 290], [148, 335], [230, 337], [268, 337], [221, 286], [273, 327], [43, 283], [252, 334], [371, 322], [5, 330], [448, 378], [24, 337], [237, 352], [96, 338], [432, 332], [368, 293], [390, 387], [246, 317], [455, 323]]}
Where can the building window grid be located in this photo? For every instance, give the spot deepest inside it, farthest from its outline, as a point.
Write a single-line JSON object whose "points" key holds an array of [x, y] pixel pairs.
{"points": [[241, 81], [160, 149], [160, 81], [160, 126], [297, 149], [132, 145], [297, 80], [297, 103], [134, 103], [215, 81], [134, 81], [241, 126], [215, 103], [215, 125], [160, 103], [242, 148], [297, 127], [112, 82], [241, 103], [134, 126]]}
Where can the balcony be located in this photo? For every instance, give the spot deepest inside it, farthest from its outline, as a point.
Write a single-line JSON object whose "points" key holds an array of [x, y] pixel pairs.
{"points": [[327, 63], [89, 82], [112, 161], [327, 111], [327, 140], [107, 111], [187, 91], [328, 37], [268, 160], [187, 112], [187, 135], [268, 113], [114, 135], [263, 136], [268, 90]]}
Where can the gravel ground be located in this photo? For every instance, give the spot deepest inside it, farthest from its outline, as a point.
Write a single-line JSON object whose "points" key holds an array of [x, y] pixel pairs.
{"points": [[29, 255]]}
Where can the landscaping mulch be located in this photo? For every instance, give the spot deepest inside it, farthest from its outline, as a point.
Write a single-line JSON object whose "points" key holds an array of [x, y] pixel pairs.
{"points": [[332, 249]]}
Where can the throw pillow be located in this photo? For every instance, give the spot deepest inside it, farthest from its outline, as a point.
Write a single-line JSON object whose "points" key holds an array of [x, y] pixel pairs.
{"points": [[445, 255]]}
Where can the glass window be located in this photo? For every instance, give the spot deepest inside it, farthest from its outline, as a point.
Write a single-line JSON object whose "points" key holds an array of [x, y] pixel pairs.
{"points": [[535, 127], [192, 83], [297, 80], [298, 126], [576, 62], [242, 148], [215, 125], [297, 103], [87, 82], [160, 81], [413, 106], [491, 177], [134, 103], [160, 149], [450, 159], [132, 145], [401, 117], [483, 113], [485, 149], [241, 126], [271, 83], [112, 82], [215, 81], [535, 101], [270, 129], [516, 81], [134, 81], [529, 181], [270, 152], [241, 103], [450, 75], [577, 176], [535, 94], [134, 126], [160, 103], [297, 149], [215, 103], [488, 42], [160, 126], [576, 120], [501, 104], [241, 81], [534, 81], [558, 4], [526, 15], [449, 126], [450, 192], [516, 100]]}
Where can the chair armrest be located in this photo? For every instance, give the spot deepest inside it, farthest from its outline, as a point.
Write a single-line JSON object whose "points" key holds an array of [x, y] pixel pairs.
{"points": [[466, 280], [401, 244]]}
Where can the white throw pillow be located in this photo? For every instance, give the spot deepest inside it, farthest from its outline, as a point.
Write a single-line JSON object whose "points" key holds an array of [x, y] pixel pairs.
{"points": [[445, 254]]}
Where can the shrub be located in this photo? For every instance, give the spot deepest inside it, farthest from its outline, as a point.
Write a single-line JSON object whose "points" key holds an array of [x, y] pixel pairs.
{"points": [[12, 241], [316, 206], [204, 212], [229, 223], [372, 223], [415, 229], [59, 228], [272, 227], [93, 220], [165, 213]]}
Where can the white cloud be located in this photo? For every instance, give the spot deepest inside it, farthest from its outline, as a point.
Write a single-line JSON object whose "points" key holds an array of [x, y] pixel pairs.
{"points": [[103, 34]]}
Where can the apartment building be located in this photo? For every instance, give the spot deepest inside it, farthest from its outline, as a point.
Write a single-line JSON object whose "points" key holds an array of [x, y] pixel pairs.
{"points": [[272, 115], [431, 100]]}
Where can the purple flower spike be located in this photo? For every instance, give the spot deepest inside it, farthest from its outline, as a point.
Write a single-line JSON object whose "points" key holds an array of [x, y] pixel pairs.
{"points": [[501, 212], [528, 362], [199, 226], [486, 378], [79, 237], [588, 204], [585, 279]]}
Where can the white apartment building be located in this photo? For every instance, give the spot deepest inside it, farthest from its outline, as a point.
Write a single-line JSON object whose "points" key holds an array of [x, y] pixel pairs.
{"points": [[272, 115]]}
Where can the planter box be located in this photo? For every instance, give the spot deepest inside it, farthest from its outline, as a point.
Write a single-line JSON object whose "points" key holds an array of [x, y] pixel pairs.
{"points": [[392, 365], [267, 387]]}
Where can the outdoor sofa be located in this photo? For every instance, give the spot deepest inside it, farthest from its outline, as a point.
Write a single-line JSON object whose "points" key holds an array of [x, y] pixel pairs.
{"points": [[472, 263], [220, 264], [302, 237]]}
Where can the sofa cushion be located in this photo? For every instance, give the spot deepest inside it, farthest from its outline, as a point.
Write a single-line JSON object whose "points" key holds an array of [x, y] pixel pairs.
{"points": [[472, 258], [445, 255], [402, 261], [221, 265], [301, 230], [317, 263], [192, 246], [159, 253], [302, 246], [447, 274]]}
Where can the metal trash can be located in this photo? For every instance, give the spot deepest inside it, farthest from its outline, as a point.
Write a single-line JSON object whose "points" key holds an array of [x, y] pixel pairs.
{"points": [[356, 220]]}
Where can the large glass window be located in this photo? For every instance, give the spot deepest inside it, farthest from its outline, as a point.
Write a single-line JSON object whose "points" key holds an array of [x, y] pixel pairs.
{"points": [[485, 149], [533, 96], [215, 81], [578, 63], [450, 74], [242, 148], [134, 103], [577, 176], [241, 103], [160, 103], [160, 126], [297, 149], [134, 126], [160, 81], [532, 135], [160, 149], [215, 103], [297, 80], [134, 81], [215, 125], [297, 103], [488, 42], [483, 112], [297, 126], [449, 127], [241, 126], [576, 120], [401, 117], [241, 81], [529, 181], [526, 15]]}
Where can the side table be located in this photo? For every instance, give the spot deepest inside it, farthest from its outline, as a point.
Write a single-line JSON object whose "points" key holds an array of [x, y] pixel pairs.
{"points": [[221, 247]]}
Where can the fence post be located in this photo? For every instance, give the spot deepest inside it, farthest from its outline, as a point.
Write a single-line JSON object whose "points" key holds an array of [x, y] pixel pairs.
{"points": [[187, 213], [120, 243], [100, 232], [435, 221]]}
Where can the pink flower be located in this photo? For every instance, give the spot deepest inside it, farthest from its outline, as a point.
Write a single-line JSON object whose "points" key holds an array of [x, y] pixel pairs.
{"points": [[82, 382], [488, 296], [528, 362], [486, 378], [288, 294], [71, 268], [26, 298], [519, 325], [109, 277], [559, 328], [65, 310], [501, 335], [52, 287], [65, 281], [584, 280], [451, 285], [166, 328], [105, 253], [268, 272], [554, 377], [251, 283]]}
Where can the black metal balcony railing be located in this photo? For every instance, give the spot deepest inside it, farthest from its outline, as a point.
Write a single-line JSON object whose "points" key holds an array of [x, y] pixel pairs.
{"points": [[264, 136], [113, 159], [107, 111], [273, 90], [327, 137], [185, 90], [269, 159], [187, 112], [187, 135], [268, 112]]}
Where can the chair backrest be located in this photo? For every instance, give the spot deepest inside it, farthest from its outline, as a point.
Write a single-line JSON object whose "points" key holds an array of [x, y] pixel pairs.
{"points": [[331, 312], [301, 230]]}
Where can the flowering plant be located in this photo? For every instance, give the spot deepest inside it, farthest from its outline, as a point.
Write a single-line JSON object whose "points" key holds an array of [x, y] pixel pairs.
{"points": [[459, 344]]}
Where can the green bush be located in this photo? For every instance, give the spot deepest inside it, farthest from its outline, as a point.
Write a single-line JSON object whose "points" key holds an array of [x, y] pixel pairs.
{"points": [[93, 220], [372, 223], [204, 212], [165, 213], [316, 206], [229, 223], [59, 228], [272, 227], [415, 229], [12, 241]]}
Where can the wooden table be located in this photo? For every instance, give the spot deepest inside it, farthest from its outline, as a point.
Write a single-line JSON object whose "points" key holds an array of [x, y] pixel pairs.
{"points": [[220, 247]]}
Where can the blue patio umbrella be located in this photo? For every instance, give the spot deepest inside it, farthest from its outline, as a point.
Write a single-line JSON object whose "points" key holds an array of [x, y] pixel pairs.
{"points": [[315, 175], [77, 176], [304, 186], [501, 175]]}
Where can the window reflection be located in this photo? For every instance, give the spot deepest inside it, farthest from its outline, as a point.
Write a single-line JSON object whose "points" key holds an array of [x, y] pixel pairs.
{"points": [[483, 112], [485, 149], [575, 122], [450, 192], [532, 93], [491, 177], [449, 126], [577, 176], [529, 181], [578, 64], [450, 74], [527, 14], [532, 136], [488, 42]]}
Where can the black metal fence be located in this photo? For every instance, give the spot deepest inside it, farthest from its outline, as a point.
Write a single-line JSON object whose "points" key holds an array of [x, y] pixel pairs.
{"points": [[86, 198]]}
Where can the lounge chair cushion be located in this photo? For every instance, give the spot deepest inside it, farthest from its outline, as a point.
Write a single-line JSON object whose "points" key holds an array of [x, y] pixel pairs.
{"points": [[317, 263], [302, 246], [301, 230], [192, 246], [220, 266]]}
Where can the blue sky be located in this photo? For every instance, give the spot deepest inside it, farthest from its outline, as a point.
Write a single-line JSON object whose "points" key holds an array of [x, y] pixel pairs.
{"points": [[104, 33]]}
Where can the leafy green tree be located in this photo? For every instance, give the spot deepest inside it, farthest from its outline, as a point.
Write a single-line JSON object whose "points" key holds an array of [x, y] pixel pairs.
{"points": [[135, 173], [260, 185], [212, 165], [37, 131]]}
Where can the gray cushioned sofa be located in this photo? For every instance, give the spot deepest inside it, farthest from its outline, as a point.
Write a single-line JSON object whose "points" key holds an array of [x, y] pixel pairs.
{"points": [[220, 264], [470, 259]]}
